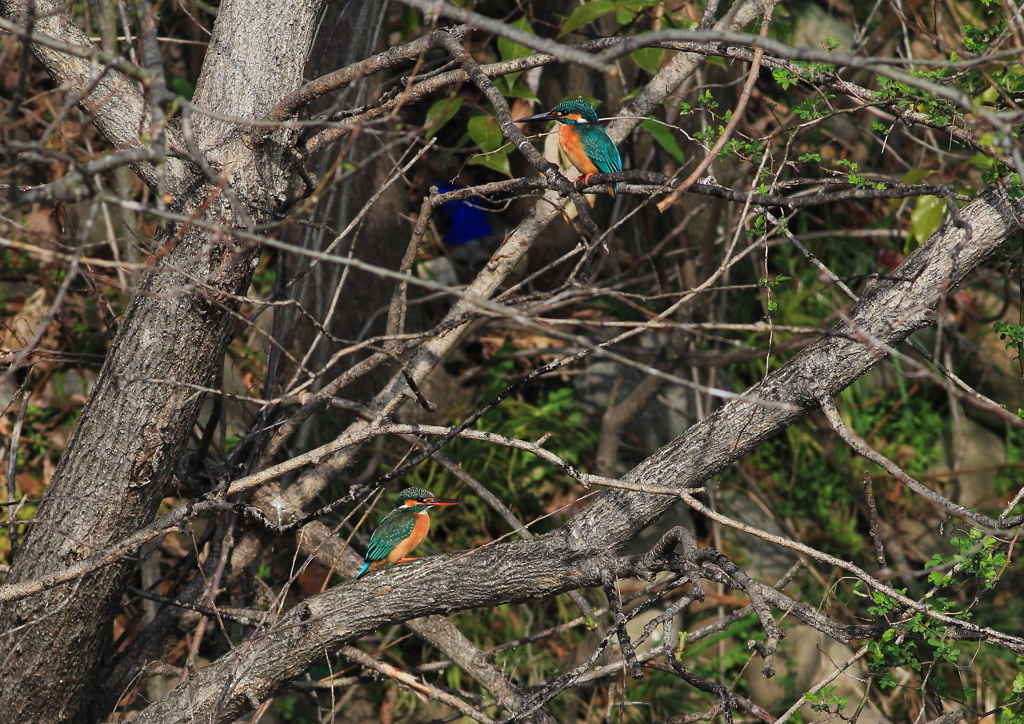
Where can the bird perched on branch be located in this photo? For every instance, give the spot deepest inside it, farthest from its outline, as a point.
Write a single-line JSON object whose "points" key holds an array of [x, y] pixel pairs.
{"points": [[402, 529], [583, 139]]}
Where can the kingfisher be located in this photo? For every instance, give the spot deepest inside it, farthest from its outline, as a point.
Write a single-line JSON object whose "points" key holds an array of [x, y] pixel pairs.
{"points": [[583, 139], [402, 529]]}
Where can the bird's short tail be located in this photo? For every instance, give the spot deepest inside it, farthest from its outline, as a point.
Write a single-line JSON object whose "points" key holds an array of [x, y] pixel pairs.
{"points": [[364, 569]]}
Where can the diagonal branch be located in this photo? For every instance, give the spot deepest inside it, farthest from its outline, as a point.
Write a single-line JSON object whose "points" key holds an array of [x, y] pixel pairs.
{"points": [[433, 9], [420, 687], [318, 87], [859, 446]]}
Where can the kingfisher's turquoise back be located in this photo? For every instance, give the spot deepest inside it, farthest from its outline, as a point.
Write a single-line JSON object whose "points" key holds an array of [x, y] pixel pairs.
{"points": [[395, 528], [600, 147]]}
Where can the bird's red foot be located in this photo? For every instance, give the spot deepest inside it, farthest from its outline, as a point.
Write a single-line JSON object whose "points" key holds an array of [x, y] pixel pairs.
{"points": [[405, 560], [583, 181]]}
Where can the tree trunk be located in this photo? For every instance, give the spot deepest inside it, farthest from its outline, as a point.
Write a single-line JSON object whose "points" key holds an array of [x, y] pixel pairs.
{"points": [[124, 451]]}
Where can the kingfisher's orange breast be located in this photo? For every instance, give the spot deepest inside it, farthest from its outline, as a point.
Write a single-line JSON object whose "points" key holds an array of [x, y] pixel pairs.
{"points": [[572, 145], [419, 532]]}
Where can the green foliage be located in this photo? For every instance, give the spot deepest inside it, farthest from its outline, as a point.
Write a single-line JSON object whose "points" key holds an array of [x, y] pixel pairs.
{"points": [[768, 285], [485, 131], [978, 557], [810, 109], [852, 168], [1015, 699], [625, 12], [511, 50], [748, 149], [648, 58], [665, 139], [512, 85], [181, 86], [439, 114], [978, 40], [925, 220], [919, 642], [785, 78], [826, 701], [1012, 334], [707, 100], [586, 13], [810, 481]]}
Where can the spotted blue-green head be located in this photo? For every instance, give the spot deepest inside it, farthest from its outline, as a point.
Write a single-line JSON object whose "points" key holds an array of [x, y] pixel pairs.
{"points": [[418, 500], [572, 112]]}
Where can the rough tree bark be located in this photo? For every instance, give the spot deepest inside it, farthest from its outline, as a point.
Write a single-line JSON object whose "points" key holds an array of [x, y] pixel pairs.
{"points": [[131, 434]]}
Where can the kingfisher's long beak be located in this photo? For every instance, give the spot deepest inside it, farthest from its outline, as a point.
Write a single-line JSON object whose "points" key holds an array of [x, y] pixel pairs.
{"points": [[444, 501], [538, 117]]}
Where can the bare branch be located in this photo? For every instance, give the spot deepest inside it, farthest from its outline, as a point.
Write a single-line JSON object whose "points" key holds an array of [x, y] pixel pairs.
{"points": [[433, 9], [828, 406]]}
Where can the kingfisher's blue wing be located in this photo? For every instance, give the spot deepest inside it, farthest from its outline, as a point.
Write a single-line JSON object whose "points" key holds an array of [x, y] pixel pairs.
{"points": [[601, 149], [395, 528]]}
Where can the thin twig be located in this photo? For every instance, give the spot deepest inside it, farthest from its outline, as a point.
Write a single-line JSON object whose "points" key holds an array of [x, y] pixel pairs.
{"points": [[737, 114], [433, 9], [419, 687], [822, 684], [876, 537], [12, 470], [828, 406]]}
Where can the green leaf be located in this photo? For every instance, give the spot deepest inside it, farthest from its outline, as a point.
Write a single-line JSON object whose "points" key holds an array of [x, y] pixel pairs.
{"points": [[513, 86], [440, 113], [411, 19], [485, 132], [785, 78], [586, 13], [509, 49], [915, 175], [510, 85], [496, 160], [924, 220], [665, 139], [649, 58], [182, 87]]}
